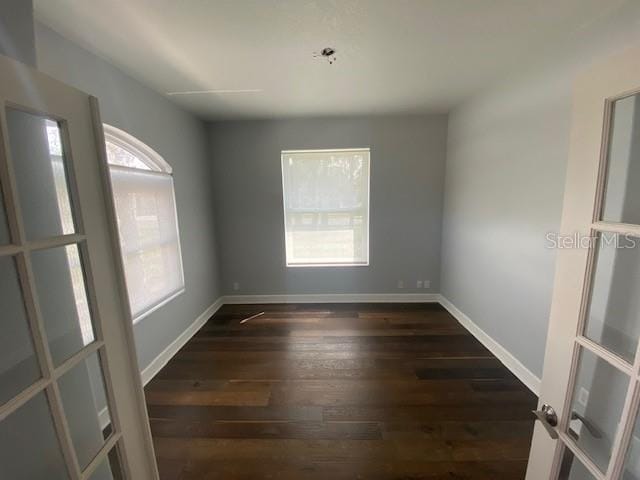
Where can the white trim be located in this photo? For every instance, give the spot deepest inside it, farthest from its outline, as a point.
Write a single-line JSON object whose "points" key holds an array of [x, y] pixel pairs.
{"points": [[314, 265], [140, 171], [367, 152], [321, 150], [512, 363], [167, 354], [335, 298], [144, 152]]}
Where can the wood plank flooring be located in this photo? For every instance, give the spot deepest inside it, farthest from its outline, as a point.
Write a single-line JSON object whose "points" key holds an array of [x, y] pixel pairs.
{"points": [[339, 392]]}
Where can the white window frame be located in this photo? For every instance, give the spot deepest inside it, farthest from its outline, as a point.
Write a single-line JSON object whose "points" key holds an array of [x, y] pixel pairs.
{"points": [[158, 165], [284, 208]]}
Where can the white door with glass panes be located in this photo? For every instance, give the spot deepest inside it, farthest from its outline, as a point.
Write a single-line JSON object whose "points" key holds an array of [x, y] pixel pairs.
{"points": [[589, 426], [71, 400]]}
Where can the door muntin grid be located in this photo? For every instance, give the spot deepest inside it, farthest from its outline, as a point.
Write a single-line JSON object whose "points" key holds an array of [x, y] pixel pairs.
{"points": [[61, 285], [613, 303], [5, 238], [625, 361], [20, 367], [23, 247], [109, 469], [42, 174], [86, 408], [571, 468], [595, 413], [24, 457]]}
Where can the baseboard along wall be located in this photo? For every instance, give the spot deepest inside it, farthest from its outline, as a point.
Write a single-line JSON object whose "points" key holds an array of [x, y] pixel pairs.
{"points": [[335, 298], [501, 353], [512, 363], [167, 354]]}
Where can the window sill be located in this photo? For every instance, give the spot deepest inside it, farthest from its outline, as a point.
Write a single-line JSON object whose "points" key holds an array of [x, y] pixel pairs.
{"points": [[314, 265], [157, 306]]}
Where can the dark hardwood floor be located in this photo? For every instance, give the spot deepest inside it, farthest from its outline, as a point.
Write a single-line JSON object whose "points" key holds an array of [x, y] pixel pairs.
{"points": [[338, 392]]}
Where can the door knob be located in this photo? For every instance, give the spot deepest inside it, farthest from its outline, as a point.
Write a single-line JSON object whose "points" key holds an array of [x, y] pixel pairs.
{"points": [[549, 419]]}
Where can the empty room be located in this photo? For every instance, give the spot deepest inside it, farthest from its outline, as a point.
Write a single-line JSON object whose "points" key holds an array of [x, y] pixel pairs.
{"points": [[319, 239]]}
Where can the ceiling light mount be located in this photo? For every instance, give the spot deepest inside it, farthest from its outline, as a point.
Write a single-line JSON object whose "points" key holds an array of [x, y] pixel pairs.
{"points": [[327, 52]]}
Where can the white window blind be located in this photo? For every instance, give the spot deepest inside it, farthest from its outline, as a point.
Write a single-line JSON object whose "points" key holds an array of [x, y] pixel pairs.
{"points": [[326, 207], [147, 224]]}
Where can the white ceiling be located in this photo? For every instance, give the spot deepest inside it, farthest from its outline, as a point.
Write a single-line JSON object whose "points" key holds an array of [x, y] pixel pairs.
{"points": [[393, 56]]}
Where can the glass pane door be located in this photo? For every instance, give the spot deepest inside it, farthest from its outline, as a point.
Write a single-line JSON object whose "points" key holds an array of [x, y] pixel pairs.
{"points": [[599, 432], [57, 414]]}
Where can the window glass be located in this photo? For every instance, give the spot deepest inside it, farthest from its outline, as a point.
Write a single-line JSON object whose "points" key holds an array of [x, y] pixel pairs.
{"points": [[147, 223], [30, 448], [119, 156], [17, 356], [621, 199], [41, 171], [62, 295], [326, 207]]}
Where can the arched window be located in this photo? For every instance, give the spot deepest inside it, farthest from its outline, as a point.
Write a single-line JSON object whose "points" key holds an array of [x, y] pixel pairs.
{"points": [[144, 198]]}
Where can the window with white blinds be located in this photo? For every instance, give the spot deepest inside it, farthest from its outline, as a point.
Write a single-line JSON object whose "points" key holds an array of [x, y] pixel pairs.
{"points": [[326, 207], [147, 223]]}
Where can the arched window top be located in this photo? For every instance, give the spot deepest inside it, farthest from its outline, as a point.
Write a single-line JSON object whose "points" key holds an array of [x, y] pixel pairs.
{"points": [[125, 150]]}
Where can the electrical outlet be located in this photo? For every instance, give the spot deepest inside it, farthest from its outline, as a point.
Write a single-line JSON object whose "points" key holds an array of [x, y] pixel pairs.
{"points": [[419, 284], [583, 396], [236, 286], [427, 284], [400, 284]]}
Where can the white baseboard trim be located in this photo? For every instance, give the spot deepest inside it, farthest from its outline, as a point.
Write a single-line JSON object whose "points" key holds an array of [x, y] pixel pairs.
{"points": [[336, 298], [167, 354], [512, 363]]}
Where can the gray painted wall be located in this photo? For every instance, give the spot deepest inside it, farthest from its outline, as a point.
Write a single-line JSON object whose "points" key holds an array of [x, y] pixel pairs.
{"points": [[182, 140], [17, 39], [506, 162], [407, 168], [506, 165]]}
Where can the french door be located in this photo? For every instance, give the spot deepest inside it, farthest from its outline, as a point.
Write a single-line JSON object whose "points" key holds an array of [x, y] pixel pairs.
{"points": [[589, 426], [71, 401]]}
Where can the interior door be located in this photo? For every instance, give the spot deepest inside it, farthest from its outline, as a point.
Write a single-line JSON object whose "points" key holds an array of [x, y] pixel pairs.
{"points": [[589, 425], [71, 400]]}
